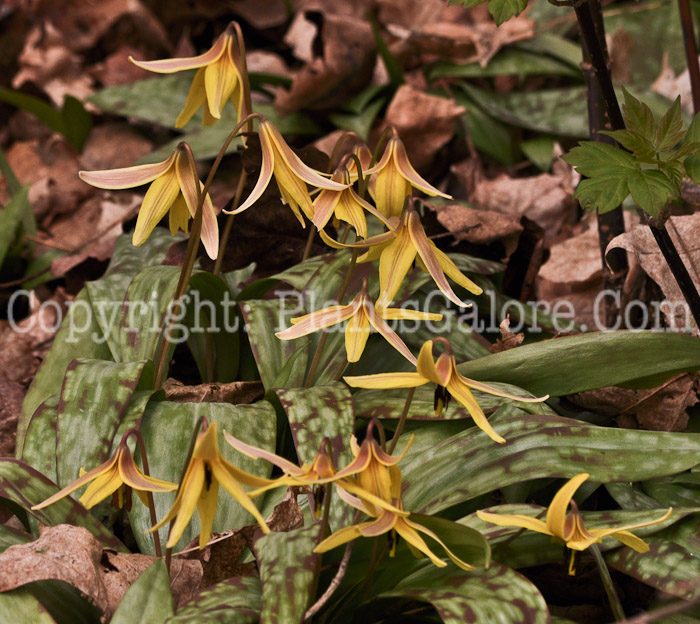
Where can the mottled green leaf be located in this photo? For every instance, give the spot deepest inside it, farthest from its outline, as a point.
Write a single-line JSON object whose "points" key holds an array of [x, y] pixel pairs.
{"points": [[148, 600], [26, 487], [287, 564], [86, 330], [263, 318], [94, 400], [39, 449], [315, 413], [234, 601], [20, 607], [496, 595], [167, 431], [554, 366], [538, 446], [388, 404], [667, 567], [10, 537]]}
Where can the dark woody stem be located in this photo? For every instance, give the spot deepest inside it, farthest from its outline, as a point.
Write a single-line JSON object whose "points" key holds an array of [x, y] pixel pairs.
{"points": [[402, 421], [334, 584], [691, 51], [661, 235], [149, 495], [202, 423], [608, 584]]}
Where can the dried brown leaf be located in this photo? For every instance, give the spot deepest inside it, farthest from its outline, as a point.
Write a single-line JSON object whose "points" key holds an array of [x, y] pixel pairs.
{"points": [[508, 339], [236, 392], [424, 122]]}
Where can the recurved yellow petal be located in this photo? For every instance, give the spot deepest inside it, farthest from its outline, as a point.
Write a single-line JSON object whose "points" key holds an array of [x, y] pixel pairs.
{"points": [[559, 507], [156, 203], [514, 520], [127, 177], [386, 380], [466, 399], [169, 66]]}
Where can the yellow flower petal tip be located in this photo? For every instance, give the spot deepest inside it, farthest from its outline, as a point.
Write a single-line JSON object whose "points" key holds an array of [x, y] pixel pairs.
{"points": [[172, 188]]}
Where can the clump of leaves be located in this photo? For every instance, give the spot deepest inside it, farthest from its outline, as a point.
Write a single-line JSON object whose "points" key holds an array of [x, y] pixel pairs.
{"points": [[650, 163]]}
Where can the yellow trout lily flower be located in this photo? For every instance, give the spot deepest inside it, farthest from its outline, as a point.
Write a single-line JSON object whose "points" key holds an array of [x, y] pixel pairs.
{"points": [[200, 488], [442, 372], [172, 189], [391, 519], [345, 205], [361, 316], [117, 476], [219, 78], [395, 178], [398, 249], [569, 527], [291, 175]]}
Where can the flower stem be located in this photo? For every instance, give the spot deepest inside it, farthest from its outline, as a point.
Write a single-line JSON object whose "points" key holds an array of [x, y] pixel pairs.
{"points": [[402, 421], [228, 226], [324, 337], [613, 598], [149, 495], [309, 243], [334, 584]]}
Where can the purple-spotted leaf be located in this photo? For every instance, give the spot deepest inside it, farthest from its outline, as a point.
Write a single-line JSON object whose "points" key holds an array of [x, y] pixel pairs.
{"points": [[536, 446], [668, 567], [388, 404], [264, 318], [497, 595], [167, 429], [25, 486], [287, 564], [234, 600], [317, 413], [86, 331], [95, 398], [554, 366], [39, 448]]}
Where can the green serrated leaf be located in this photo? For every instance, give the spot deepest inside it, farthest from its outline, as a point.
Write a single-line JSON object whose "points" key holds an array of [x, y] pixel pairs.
{"points": [[287, 564], [594, 158], [651, 189], [631, 140], [503, 10], [670, 128], [603, 193], [234, 601], [148, 600], [638, 116]]}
